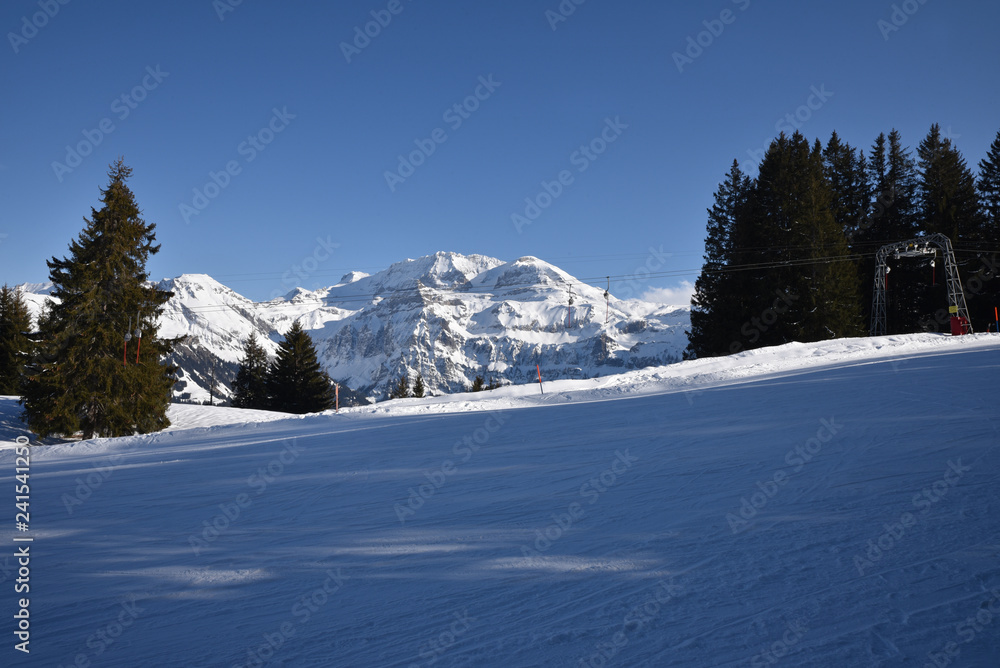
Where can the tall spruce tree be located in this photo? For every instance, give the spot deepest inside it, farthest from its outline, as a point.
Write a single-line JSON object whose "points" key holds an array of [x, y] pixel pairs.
{"points": [[988, 270], [775, 241], [832, 294], [847, 173], [296, 383], [15, 346], [988, 187], [774, 244], [91, 373], [896, 218], [900, 215], [892, 217], [849, 176], [250, 386], [893, 181], [948, 202], [873, 232], [717, 300], [418, 387], [805, 286]]}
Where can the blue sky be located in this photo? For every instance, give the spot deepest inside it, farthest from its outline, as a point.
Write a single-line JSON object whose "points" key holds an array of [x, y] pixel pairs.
{"points": [[266, 90]]}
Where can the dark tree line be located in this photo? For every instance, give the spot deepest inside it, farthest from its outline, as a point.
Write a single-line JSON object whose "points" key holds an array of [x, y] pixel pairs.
{"points": [[790, 254], [293, 383], [479, 384], [402, 389]]}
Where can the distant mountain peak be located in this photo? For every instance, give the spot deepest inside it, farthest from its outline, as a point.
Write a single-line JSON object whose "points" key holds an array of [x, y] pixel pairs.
{"points": [[45, 288], [351, 277], [194, 279]]}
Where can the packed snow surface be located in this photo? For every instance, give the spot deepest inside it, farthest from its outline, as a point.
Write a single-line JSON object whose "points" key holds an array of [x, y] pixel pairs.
{"points": [[828, 504]]}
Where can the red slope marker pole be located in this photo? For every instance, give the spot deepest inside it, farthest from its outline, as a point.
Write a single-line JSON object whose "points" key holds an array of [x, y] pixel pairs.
{"points": [[138, 336], [997, 316], [539, 378], [128, 337], [336, 394]]}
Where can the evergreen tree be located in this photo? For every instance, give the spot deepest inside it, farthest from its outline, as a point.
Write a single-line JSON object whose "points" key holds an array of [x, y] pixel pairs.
{"points": [[891, 216], [872, 233], [92, 372], [295, 382], [948, 202], [900, 215], [986, 272], [717, 291], [15, 347], [402, 389], [896, 218], [850, 179], [846, 171], [804, 285], [418, 387], [832, 289], [250, 386], [772, 241], [892, 181], [771, 244], [978, 233], [478, 385], [945, 203], [989, 190]]}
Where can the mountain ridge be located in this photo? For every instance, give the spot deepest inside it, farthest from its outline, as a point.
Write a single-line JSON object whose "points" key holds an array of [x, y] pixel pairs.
{"points": [[448, 317]]}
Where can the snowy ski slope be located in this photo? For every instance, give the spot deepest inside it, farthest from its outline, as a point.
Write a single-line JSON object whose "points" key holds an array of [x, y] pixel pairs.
{"points": [[828, 504]]}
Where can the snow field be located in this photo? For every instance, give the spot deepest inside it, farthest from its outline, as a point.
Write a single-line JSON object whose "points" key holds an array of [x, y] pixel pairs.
{"points": [[820, 504]]}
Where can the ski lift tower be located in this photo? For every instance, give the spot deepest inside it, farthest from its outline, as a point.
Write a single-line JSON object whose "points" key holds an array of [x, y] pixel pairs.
{"points": [[921, 246]]}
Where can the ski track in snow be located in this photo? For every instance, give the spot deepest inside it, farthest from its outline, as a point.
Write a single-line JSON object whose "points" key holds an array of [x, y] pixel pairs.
{"points": [[453, 586]]}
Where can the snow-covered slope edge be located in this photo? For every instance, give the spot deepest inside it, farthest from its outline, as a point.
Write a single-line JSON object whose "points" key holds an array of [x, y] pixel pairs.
{"points": [[692, 378]]}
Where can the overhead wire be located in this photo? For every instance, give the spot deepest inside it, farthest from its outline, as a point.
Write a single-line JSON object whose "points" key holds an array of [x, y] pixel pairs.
{"points": [[591, 281], [484, 290]]}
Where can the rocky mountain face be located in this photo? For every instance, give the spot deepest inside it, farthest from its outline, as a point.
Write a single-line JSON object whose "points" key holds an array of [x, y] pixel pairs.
{"points": [[447, 317]]}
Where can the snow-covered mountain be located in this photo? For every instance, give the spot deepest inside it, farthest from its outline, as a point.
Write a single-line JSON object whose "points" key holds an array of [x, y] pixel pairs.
{"points": [[447, 317]]}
